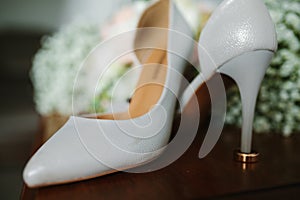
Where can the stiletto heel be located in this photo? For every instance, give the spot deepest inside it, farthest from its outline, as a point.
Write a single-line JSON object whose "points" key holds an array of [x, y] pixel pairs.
{"points": [[248, 70], [238, 40]]}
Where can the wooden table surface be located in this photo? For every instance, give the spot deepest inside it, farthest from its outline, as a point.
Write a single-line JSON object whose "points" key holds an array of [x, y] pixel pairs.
{"points": [[275, 176]]}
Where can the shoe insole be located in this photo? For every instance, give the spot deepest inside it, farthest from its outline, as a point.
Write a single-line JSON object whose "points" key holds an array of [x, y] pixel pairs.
{"points": [[149, 87], [153, 75]]}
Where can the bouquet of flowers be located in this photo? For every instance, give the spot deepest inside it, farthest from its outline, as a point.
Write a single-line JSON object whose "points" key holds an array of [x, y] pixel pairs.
{"points": [[57, 62]]}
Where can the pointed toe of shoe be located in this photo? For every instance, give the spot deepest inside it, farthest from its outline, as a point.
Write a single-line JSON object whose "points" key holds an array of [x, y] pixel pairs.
{"points": [[33, 175], [41, 169], [61, 159]]}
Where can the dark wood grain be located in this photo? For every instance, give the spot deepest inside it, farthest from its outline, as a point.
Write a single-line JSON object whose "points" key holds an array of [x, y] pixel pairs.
{"points": [[277, 175]]}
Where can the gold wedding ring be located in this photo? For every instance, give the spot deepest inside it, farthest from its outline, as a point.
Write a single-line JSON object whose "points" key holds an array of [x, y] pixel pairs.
{"points": [[245, 157]]}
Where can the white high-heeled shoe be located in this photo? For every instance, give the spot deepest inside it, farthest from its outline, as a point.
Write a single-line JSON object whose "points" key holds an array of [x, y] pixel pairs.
{"points": [[239, 40], [84, 148]]}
